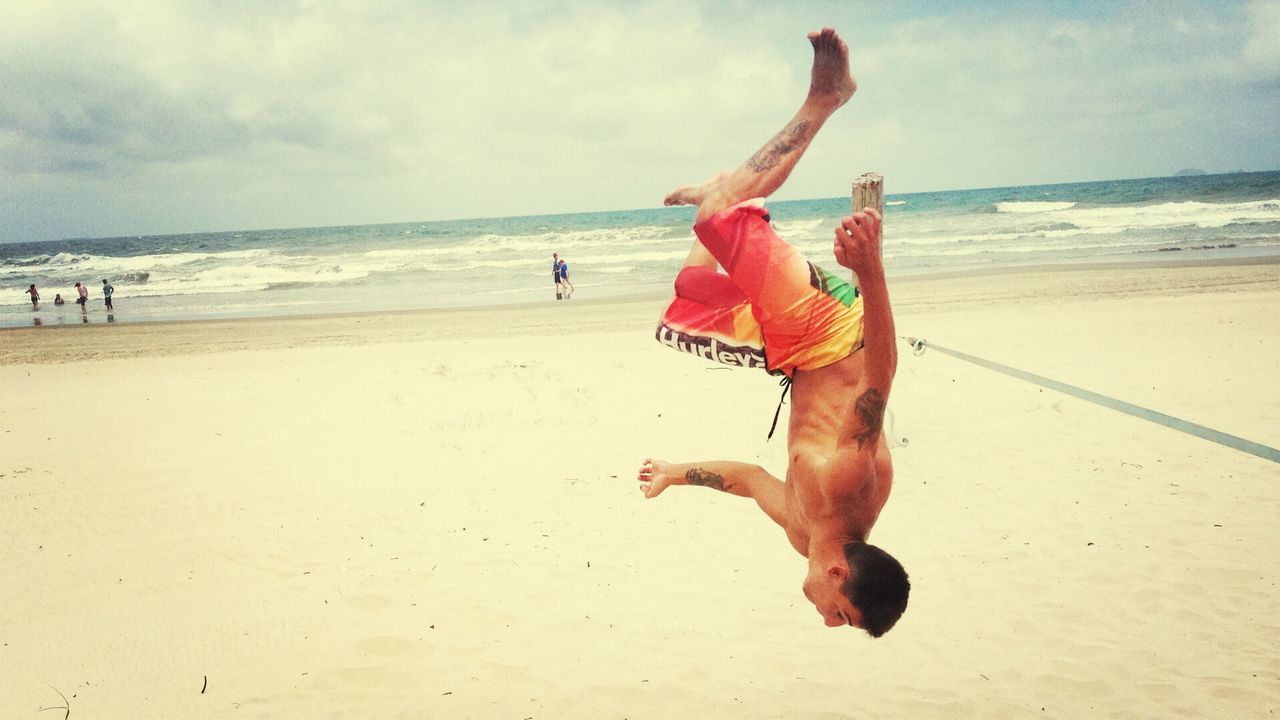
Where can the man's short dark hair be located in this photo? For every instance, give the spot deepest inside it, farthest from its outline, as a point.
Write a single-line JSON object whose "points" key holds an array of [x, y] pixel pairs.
{"points": [[877, 586]]}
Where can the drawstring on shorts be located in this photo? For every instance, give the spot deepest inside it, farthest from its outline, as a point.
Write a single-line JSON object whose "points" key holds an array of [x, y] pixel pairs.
{"points": [[786, 386]]}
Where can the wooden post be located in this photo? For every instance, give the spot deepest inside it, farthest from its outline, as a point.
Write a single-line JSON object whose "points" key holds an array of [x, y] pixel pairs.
{"points": [[868, 192]]}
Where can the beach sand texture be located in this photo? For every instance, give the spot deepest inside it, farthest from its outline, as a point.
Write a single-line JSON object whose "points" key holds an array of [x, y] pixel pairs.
{"points": [[434, 515]]}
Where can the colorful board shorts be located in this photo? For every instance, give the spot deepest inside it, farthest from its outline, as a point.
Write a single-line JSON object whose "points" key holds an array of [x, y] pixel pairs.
{"points": [[773, 310]]}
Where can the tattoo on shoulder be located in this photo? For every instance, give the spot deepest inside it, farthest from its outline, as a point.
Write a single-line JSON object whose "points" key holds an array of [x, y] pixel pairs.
{"points": [[781, 144], [870, 410], [705, 478]]}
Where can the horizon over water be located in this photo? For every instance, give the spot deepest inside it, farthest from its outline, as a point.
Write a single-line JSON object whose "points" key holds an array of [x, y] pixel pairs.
{"points": [[501, 260]]}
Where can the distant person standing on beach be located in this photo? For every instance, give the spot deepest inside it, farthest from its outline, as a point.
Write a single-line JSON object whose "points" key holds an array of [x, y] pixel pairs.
{"points": [[564, 278], [106, 294], [83, 300], [555, 274], [35, 296]]}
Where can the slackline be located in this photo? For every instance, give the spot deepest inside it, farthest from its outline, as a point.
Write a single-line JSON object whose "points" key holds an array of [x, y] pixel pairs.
{"points": [[1200, 431]]}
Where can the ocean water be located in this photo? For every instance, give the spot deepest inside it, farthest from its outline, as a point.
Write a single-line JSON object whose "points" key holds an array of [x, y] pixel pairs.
{"points": [[505, 260]]}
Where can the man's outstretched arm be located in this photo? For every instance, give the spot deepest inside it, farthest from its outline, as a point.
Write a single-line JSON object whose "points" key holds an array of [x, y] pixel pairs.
{"points": [[735, 478]]}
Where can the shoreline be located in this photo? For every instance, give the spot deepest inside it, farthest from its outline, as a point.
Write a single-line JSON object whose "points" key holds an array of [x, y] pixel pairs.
{"points": [[142, 310], [911, 295]]}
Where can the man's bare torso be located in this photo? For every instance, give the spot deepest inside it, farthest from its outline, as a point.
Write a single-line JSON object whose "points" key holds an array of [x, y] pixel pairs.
{"points": [[843, 496]]}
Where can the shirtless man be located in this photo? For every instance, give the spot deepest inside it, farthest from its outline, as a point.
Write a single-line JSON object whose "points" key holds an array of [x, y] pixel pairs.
{"points": [[776, 310], [555, 274]]}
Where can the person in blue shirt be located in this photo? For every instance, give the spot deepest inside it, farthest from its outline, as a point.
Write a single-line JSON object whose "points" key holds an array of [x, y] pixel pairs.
{"points": [[564, 278]]}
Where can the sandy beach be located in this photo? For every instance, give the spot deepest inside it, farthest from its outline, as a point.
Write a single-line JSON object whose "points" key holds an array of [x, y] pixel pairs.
{"points": [[434, 515]]}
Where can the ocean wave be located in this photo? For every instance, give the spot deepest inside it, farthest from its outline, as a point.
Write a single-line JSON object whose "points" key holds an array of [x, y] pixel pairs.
{"points": [[1049, 227], [239, 278], [500, 264], [89, 264], [1175, 214], [1025, 206], [801, 227], [412, 252], [538, 245], [1016, 248], [949, 240], [649, 256], [44, 261]]}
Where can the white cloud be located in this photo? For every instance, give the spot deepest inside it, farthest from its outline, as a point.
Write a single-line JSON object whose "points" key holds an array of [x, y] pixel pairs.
{"points": [[1262, 46], [143, 117], [1042, 99]]}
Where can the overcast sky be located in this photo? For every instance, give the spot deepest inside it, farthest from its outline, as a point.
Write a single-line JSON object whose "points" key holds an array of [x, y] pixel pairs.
{"points": [[140, 117]]}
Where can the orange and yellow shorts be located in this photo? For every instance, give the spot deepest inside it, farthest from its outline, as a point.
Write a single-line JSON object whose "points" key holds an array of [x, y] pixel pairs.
{"points": [[773, 310]]}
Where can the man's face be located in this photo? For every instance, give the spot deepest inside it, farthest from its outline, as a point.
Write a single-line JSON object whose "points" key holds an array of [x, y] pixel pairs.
{"points": [[823, 590]]}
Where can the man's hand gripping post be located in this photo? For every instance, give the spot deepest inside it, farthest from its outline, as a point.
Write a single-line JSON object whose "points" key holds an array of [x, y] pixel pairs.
{"points": [[858, 247]]}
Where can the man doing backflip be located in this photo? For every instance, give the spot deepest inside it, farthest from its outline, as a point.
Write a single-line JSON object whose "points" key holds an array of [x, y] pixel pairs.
{"points": [[775, 310]]}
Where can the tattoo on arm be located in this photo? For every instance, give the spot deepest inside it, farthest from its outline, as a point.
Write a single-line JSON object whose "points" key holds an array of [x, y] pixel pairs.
{"points": [[784, 142], [870, 410], [705, 478]]}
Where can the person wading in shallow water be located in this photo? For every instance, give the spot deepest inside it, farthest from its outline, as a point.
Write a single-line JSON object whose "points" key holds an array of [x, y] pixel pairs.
{"points": [[774, 309]]}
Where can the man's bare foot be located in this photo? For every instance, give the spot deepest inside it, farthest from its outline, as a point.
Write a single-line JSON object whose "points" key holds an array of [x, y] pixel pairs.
{"points": [[694, 194], [832, 84], [655, 476]]}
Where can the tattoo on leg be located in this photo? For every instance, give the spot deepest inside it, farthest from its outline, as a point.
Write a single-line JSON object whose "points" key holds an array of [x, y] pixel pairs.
{"points": [[705, 478], [781, 144], [870, 410]]}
